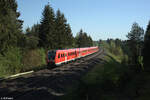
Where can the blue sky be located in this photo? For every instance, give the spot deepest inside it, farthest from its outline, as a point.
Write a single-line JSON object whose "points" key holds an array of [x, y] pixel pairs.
{"points": [[101, 19]]}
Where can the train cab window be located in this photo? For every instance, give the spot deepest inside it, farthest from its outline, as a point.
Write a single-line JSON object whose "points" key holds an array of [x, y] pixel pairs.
{"points": [[51, 55]]}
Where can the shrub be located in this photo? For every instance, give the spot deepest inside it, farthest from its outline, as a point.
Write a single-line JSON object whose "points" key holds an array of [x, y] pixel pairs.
{"points": [[33, 59], [42, 55], [10, 62]]}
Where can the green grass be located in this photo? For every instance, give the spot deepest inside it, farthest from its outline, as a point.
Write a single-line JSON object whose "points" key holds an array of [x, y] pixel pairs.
{"points": [[101, 72]]}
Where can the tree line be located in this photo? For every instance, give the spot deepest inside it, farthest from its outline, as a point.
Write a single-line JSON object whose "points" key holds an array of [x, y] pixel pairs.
{"points": [[53, 31], [137, 47]]}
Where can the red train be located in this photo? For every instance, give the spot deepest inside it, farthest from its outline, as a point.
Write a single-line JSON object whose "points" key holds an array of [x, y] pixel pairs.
{"points": [[57, 57]]}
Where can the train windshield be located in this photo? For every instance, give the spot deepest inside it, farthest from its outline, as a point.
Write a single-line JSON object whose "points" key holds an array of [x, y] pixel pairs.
{"points": [[51, 55]]}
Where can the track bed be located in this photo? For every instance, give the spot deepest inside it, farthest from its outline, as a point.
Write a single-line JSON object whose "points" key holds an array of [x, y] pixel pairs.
{"points": [[48, 84]]}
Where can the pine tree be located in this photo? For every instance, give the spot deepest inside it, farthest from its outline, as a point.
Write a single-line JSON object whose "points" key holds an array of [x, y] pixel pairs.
{"points": [[82, 40], [135, 39], [34, 31], [146, 50], [47, 28], [32, 39], [61, 35], [90, 41], [79, 39], [10, 25], [69, 36]]}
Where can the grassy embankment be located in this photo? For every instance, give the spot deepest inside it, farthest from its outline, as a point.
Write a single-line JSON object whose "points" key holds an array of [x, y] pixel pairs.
{"points": [[16, 60], [113, 80]]}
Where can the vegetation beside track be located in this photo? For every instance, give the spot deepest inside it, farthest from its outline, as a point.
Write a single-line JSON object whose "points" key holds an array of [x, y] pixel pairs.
{"points": [[114, 79], [15, 61]]}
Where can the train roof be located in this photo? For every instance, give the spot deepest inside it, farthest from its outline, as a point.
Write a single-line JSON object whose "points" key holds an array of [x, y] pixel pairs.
{"points": [[72, 49]]}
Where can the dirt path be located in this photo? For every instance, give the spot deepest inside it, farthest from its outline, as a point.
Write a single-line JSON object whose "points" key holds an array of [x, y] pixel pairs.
{"points": [[48, 84]]}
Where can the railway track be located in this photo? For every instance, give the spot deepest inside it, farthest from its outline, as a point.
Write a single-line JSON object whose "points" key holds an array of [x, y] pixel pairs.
{"points": [[48, 84]]}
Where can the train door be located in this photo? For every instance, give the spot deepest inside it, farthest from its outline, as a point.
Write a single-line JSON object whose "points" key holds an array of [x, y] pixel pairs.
{"points": [[58, 58], [79, 53], [65, 56], [75, 54]]}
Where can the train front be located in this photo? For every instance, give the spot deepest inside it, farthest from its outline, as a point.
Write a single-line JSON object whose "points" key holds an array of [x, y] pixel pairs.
{"points": [[51, 57]]}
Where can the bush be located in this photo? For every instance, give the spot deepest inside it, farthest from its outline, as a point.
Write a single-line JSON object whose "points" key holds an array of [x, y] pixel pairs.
{"points": [[13, 61], [33, 59], [42, 55], [10, 62]]}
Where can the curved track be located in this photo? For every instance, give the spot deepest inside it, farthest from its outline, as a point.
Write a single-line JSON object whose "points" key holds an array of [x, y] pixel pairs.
{"points": [[48, 84]]}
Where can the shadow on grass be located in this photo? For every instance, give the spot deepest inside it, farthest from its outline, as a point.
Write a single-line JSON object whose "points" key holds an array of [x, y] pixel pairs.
{"points": [[104, 85]]}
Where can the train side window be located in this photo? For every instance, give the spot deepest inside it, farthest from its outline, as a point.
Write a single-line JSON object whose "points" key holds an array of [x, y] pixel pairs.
{"points": [[58, 55]]}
